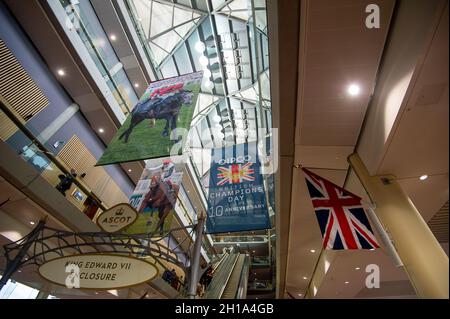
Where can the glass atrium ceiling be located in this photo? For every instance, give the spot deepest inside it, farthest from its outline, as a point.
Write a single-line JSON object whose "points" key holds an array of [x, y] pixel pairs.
{"points": [[228, 41]]}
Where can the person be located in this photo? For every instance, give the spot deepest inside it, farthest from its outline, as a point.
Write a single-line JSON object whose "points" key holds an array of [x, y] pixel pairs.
{"points": [[209, 276], [168, 168], [167, 275], [66, 181]]}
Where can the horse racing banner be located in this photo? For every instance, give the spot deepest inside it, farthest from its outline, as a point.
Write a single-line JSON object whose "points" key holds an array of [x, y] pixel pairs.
{"points": [[153, 127], [236, 197], [155, 196]]}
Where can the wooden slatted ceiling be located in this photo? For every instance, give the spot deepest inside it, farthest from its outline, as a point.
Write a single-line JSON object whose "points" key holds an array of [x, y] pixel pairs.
{"points": [[439, 224], [7, 127], [18, 88], [76, 155]]}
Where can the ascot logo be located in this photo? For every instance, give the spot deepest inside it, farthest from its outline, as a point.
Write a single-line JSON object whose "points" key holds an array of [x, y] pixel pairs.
{"points": [[117, 218]]}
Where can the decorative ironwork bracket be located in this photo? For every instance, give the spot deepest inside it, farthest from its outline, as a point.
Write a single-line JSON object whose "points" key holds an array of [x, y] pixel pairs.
{"points": [[45, 243]]}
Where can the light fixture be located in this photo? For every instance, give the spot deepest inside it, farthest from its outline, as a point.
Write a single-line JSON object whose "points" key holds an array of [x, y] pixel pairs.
{"points": [[206, 73], [136, 85], [32, 222], [300, 295], [203, 60], [113, 37], [353, 89], [61, 72], [312, 250], [57, 144], [129, 170], [357, 268], [347, 282], [100, 130], [208, 84], [305, 278], [372, 249], [200, 46], [423, 177]]}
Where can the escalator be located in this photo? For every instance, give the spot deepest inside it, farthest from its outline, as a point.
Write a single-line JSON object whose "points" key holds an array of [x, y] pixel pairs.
{"points": [[229, 278]]}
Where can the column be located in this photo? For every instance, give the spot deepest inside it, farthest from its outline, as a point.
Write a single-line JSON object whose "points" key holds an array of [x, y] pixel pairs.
{"points": [[424, 259]]}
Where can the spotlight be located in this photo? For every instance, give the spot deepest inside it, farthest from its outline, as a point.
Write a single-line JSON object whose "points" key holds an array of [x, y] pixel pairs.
{"points": [[353, 90]]}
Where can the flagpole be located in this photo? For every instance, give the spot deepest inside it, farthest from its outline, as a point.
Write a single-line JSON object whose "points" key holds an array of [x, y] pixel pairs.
{"points": [[313, 273], [384, 236]]}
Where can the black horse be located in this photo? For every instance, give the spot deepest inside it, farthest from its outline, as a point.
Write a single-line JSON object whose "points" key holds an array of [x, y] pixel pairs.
{"points": [[159, 108]]}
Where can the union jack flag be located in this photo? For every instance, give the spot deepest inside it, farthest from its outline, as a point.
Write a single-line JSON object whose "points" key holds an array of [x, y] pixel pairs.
{"points": [[235, 173], [342, 219]]}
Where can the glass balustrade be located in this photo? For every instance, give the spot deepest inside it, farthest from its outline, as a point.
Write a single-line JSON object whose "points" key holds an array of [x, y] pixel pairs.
{"points": [[81, 17], [52, 170]]}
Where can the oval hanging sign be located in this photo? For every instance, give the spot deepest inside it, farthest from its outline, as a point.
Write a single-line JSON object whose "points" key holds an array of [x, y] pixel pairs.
{"points": [[98, 271], [117, 218]]}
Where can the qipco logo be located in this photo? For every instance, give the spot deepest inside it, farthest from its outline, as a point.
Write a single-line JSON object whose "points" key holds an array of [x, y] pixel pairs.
{"points": [[235, 160]]}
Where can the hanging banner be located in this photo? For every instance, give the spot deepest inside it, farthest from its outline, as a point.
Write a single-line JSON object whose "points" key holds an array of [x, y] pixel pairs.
{"points": [[155, 196], [98, 271], [236, 198], [155, 123]]}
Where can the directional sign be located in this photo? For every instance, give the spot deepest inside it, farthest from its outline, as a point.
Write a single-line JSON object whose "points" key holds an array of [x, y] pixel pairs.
{"points": [[98, 271]]}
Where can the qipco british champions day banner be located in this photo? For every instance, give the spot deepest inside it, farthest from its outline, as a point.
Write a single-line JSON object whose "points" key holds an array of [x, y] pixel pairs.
{"points": [[155, 196], [153, 127], [236, 197]]}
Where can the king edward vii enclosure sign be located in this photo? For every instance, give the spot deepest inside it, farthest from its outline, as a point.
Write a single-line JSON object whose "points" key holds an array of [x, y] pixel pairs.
{"points": [[98, 271]]}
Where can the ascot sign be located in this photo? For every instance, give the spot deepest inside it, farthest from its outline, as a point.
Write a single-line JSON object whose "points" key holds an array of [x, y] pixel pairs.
{"points": [[98, 271], [117, 218]]}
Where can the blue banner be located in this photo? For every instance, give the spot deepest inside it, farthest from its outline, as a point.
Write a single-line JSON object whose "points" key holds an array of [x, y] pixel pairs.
{"points": [[236, 197]]}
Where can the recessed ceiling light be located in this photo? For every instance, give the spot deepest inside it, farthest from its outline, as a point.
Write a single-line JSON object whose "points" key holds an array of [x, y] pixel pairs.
{"points": [[353, 90], [357, 268], [372, 249], [300, 295], [312, 250], [347, 282], [32, 222], [136, 85], [19, 270], [423, 177], [305, 278], [101, 130], [129, 170], [96, 293], [61, 72], [113, 37]]}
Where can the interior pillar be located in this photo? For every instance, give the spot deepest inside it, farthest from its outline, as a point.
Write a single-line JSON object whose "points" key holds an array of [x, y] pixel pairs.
{"points": [[424, 259]]}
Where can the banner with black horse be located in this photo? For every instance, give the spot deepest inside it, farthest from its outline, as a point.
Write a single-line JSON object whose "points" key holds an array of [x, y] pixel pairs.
{"points": [[153, 126]]}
